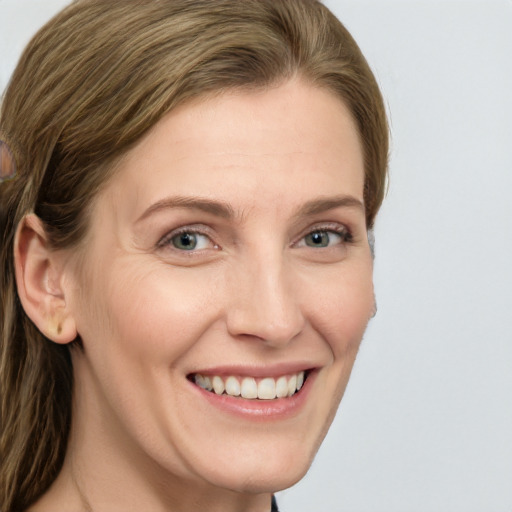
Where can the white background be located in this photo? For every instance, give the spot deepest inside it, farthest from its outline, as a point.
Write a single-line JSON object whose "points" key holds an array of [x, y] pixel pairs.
{"points": [[426, 422]]}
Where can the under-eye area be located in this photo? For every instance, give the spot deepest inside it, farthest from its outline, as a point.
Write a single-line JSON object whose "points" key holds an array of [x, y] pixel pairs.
{"points": [[252, 388]]}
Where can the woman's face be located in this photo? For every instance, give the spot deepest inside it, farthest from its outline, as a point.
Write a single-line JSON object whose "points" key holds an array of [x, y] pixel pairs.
{"points": [[228, 252]]}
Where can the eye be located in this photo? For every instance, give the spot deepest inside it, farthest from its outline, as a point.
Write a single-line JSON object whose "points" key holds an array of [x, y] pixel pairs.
{"points": [[322, 238], [187, 240]]}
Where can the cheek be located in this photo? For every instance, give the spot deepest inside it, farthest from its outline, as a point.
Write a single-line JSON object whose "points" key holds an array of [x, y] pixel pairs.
{"points": [[153, 312], [342, 312]]}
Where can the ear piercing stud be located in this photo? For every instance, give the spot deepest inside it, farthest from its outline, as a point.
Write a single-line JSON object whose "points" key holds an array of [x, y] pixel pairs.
{"points": [[54, 328]]}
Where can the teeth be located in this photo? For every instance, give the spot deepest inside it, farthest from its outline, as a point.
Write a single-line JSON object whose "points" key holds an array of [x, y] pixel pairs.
{"points": [[281, 387], [292, 385], [232, 386], [249, 388], [203, 382], [218, 385], [300, 380], [267, 389]]}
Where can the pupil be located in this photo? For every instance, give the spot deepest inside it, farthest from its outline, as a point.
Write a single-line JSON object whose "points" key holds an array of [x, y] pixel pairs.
{"points": [[185, 241], [319, 238]]}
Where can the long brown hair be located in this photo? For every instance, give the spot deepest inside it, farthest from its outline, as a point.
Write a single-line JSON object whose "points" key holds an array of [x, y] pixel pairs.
{"points": [[91, 82]]}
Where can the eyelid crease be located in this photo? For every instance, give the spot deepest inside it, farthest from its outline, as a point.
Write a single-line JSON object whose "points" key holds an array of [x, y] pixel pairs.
{"points": [[335, 227]]}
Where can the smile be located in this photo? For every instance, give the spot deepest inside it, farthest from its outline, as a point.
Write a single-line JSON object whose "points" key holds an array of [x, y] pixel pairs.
{"points": [[267, 388]]}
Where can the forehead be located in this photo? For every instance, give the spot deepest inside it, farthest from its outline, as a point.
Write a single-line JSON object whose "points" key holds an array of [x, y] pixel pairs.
{"points": [[245, 146]]}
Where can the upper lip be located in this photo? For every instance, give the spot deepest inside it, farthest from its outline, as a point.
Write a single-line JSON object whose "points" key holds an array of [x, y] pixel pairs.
{"points": [[259, 371]]}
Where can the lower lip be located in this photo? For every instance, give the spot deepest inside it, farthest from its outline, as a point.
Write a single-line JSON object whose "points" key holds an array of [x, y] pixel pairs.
{"points": [[264, 410]]}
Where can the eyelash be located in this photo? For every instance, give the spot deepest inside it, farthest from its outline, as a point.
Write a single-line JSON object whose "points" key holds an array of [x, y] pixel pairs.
{"points": [[340, 230], [166, 241]]}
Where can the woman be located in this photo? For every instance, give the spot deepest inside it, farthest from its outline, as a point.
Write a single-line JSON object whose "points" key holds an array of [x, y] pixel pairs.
{"points": [[186, 273]]}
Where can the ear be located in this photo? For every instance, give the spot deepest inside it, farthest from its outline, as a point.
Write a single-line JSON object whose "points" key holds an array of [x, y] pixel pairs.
{"points": [[40, 280]]}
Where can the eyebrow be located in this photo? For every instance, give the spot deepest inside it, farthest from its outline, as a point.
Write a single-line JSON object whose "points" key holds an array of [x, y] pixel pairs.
{"points": [[225, 210], [217, 208], [325, 204]]}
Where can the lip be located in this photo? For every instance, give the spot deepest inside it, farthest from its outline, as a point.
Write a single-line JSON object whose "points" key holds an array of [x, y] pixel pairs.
{"points": [[257, 372], [258, 410]]}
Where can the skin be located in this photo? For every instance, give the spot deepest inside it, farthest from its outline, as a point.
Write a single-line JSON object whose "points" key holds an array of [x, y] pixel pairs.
{"points": [[255, 293]]}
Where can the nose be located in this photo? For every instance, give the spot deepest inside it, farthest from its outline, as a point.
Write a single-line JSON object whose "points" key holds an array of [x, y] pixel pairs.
{"points": [[265, 303]]}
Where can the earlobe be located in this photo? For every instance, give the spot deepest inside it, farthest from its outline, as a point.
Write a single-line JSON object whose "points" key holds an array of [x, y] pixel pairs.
{"points": [[39, 279]]}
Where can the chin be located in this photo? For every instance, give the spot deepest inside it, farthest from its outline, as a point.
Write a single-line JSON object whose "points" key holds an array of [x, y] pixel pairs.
{"points": [[262, 469], [265, 475]]}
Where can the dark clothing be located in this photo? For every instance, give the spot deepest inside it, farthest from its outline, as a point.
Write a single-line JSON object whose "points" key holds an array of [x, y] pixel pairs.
{"points": [[274, 505]]}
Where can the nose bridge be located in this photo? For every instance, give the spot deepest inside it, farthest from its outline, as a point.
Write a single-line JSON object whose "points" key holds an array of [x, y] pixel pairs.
{"points": [[265, 303]]}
